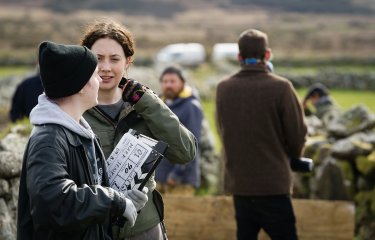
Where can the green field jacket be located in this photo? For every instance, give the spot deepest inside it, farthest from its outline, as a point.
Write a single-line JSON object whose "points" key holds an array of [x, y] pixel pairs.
{"points": [[151, 117]]}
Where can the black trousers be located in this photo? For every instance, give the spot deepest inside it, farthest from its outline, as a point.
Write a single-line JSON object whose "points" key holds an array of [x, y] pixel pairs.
{"points": [[273, 214]]}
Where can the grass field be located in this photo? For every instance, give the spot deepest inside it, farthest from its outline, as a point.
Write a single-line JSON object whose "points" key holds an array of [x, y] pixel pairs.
{"points": [[13, 70], [345, 99]]}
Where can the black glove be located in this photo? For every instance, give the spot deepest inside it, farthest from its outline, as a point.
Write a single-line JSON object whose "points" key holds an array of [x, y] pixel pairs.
{"points": [[132, 90]]}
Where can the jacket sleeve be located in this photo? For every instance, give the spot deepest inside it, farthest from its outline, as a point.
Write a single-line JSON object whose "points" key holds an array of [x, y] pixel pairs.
{"points": [[164, 125], [57, 202], [194, 119], [293, 122], [193, 122]]}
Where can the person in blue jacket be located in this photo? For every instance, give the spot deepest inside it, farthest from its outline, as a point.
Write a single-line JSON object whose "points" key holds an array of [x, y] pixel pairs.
{"points": [[181, 99]]}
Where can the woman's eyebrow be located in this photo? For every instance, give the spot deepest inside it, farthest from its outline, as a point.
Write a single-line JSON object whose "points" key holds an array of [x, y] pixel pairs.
{"points": [[112, 55]]}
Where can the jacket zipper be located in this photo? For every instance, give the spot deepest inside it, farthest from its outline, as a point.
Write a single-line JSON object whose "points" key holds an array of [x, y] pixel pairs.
{"points": [[105, 180], [114, 124]]}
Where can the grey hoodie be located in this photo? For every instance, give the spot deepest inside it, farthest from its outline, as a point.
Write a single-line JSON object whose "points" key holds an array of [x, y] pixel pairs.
{"points": [[48, 112]]}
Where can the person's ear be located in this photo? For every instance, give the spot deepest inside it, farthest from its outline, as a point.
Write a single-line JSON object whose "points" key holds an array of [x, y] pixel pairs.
{"points": [[268, 54], [129, 61]]}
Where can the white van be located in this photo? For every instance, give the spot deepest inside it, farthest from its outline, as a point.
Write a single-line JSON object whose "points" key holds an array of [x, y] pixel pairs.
{"points": [[184, 54], [224, 51]]}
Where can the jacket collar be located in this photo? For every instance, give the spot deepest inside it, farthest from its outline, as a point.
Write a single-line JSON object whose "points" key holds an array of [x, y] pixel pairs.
{"points": [[102, 117], [260, 67], [73, 139]]}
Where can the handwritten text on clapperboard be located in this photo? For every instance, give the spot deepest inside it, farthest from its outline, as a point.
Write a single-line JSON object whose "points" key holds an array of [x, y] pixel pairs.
{"points": [[125, 162]]}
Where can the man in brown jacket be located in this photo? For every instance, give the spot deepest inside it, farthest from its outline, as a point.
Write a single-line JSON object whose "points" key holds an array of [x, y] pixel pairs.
{"points": [[261, 124]]}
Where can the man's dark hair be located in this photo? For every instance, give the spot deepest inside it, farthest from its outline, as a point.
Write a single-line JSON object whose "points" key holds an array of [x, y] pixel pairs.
{"points": [[172, 70], [253, 43]]}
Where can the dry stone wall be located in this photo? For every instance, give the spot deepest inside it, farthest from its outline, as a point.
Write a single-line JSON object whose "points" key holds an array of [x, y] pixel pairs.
{"points": [[344, 155], [335, 80], [11, 153]]}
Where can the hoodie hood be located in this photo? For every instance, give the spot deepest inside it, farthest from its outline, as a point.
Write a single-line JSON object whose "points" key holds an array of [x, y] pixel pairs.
{"points": [[48, 112]]}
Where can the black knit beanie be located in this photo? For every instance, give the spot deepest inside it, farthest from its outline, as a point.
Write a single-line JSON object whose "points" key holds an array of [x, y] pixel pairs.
{"points": [[65, 69]]}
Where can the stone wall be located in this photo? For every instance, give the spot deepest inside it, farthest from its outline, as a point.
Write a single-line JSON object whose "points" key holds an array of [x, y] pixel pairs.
{"points": [[7, 88], [343, 151], [11, 153], [335, 80]]}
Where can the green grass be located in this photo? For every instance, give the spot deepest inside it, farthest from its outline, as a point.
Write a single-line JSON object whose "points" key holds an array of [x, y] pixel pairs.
{"points": [[345, 99], [13, 70], [6, 129], [209, 112]]}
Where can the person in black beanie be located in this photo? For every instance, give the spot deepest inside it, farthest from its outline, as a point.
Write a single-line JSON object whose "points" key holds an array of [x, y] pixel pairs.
{"points": [[64, 191]]}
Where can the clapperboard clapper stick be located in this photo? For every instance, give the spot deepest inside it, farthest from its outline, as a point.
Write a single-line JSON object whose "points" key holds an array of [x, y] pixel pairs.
{"points": [[160, 148]]}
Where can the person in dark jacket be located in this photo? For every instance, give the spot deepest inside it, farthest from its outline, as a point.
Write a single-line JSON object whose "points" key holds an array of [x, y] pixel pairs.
{"points": [[25, 97], [179, 97], [64, 191], [261, 124]]}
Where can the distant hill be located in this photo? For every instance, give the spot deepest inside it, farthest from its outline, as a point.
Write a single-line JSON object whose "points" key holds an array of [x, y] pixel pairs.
{"points": [[315, 6], [299, 29], [131, 7], [166, 8]]}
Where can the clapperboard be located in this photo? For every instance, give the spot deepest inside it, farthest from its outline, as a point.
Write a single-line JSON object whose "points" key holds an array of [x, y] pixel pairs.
{"points": [[133, 161]]}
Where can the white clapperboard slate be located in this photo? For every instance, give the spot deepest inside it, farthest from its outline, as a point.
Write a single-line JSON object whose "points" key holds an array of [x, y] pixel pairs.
{"points": [[133, 161]]}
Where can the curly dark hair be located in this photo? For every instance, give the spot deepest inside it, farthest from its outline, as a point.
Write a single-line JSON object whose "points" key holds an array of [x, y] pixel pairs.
{"points": [[107, 28]]}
